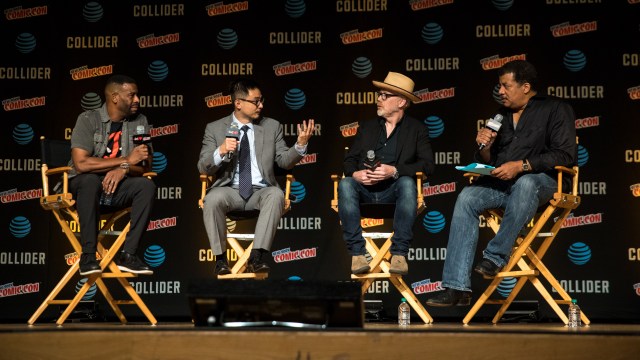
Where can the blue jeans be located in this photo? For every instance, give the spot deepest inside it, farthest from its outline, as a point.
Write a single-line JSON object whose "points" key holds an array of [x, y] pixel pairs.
{"points": [[520, 202], [402, 192]]}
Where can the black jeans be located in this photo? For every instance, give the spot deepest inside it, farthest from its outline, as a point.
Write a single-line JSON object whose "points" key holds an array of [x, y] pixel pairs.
{"points": [[137, 192]]}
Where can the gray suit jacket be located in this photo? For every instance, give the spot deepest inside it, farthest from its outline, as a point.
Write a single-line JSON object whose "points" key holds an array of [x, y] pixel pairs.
{"points": [[269, 144]]}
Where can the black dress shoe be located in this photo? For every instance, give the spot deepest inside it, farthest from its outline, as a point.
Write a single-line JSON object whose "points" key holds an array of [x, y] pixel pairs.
{"points": [[450, 297], [258, 267], [89, 265], [487, 269], [132, 263], [222, 267], [256, 263]]}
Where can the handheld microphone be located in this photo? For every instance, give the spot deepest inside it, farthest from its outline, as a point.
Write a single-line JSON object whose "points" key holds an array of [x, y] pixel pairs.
{"points": [[371, 162], [140, 138], [493, 124], [232, 132]]}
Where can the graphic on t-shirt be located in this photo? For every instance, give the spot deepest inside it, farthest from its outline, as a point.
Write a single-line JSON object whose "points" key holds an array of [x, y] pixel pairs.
{"points": [[114, 147]]}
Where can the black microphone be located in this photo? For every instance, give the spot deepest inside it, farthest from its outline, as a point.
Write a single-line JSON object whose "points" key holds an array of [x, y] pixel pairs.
{"points": [[141, 138], [371, 162], [232, 132], [493, 124]]}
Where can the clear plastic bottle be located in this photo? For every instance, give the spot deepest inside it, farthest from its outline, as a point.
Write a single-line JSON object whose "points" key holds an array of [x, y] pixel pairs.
{"points": [[574, 315], [105, 199], [404, 313]]}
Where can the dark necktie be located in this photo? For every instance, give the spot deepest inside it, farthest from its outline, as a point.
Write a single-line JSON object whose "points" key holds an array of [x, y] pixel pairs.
{"points": [[245, 186]]}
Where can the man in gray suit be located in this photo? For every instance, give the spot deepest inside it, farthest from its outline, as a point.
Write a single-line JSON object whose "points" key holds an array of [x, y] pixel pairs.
{"points": [[240, 151]]}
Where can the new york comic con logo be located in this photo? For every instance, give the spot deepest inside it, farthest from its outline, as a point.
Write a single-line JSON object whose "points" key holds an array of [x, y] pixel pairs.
{"points": [[18, 12]]}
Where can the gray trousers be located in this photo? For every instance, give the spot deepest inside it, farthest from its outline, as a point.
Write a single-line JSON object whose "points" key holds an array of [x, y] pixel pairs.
{"points": [[221, 200]]}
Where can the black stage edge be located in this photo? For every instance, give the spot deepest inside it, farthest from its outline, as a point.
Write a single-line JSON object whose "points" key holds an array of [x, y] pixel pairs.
{"points": [[276, 303]]}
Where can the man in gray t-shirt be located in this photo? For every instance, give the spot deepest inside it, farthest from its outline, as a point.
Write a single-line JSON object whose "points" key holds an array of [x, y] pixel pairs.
{"points": [[107, 172]]}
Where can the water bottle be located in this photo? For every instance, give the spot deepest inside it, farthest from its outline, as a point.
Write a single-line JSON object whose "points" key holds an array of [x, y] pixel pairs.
{"points": [[105, 199], [404, 313], [574, 315]]}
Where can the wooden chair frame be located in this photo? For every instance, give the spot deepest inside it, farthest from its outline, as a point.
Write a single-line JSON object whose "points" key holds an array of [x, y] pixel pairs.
{"points": [[233, 240], [525, 263], [381, 257], [62, 206]]}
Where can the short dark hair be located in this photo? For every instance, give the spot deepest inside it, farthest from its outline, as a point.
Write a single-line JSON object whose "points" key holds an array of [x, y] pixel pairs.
{"points": [[120, 80], [523, 72], [239, 89]]}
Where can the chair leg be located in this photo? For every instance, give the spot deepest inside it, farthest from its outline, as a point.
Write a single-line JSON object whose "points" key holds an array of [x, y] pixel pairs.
{"points": [[76, 299], [380, 270], [484, 297], [137, 300], [238, 269], [406, 292], [507, 302], [56, 290]]}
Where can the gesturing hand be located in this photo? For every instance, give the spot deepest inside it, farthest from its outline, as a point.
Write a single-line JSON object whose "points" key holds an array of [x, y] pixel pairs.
{"points": [[305, 131]]}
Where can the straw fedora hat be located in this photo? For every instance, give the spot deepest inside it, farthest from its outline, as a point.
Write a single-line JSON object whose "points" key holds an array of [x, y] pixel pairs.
{"points": [[398, 84]]}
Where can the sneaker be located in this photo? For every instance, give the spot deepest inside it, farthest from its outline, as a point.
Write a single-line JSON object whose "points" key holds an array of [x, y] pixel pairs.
{"points": [[256, 263], [399, 265], [359, 264], [222, 267], [450, 297], [487, 269], [131, 263], [89, 265]]}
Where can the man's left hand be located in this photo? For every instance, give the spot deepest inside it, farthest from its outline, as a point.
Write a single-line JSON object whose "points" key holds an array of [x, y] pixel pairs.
{"points": [[508, 170], [381, 172], [111, 180], [305, 131]]}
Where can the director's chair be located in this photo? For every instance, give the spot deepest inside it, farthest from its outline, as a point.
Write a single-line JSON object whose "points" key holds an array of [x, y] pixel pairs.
{"points": [[233, 240], [55, 156], [381, 257], [525, 263]]}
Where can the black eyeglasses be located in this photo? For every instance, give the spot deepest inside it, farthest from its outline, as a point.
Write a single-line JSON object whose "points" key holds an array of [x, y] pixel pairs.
{"points": [[254, 102], [384, 96]]}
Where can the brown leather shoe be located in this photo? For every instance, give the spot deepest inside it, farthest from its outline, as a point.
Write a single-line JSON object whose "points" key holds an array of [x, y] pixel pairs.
{"points": [[359, 264], [487, 269], [399, 265]]}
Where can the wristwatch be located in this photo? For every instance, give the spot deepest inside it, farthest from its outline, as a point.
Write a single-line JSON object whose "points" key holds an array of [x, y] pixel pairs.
{"points": [[396, 175], [525, 165], [125, 166]]}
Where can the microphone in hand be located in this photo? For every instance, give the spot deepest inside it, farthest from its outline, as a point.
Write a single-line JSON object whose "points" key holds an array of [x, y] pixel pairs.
{"points": [[232, 132], [371, 162], [494, 124], [141, 137]]}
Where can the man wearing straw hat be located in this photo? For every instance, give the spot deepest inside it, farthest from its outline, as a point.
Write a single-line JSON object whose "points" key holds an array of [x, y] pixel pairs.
{"points": [[401, 147]]}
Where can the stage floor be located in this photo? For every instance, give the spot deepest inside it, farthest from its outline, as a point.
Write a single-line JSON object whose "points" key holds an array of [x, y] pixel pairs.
{"points": [[181, 340]]}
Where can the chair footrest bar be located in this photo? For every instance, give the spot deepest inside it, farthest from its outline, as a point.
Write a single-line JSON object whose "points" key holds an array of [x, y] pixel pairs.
{"points": [[114, 275], [544, 234], [110, 232], [257, 276], [241, 236], [124, 302], [376, 235], [517, 273], [374, 276], [495, 302]]}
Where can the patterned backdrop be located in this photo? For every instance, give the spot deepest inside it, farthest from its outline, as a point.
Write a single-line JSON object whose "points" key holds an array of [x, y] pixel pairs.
{"points": [[316, 59]]}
